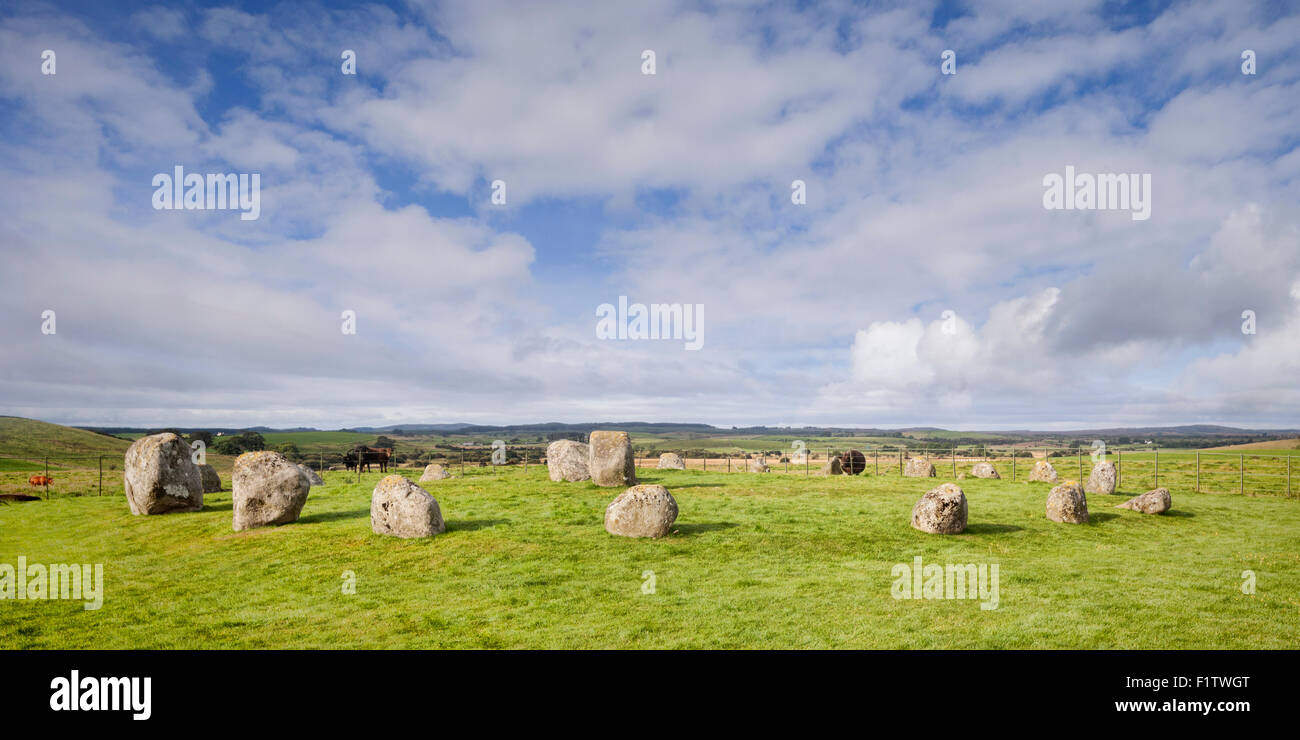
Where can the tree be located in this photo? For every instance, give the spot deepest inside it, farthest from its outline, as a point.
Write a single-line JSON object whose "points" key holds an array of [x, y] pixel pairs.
{"points": [[227, 446], [385, 442], [201, 436], [252, 441], [289, 450]]}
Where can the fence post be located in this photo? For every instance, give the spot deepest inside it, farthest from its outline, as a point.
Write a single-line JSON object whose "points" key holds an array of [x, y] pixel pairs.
{"points": [[1242, 466], [1013, 466], [728, 463], [1119, 467], [877, 462], [900, 461], [462, 463], [954, 461], [1080, 466], [47, 477], [1198, 471]]}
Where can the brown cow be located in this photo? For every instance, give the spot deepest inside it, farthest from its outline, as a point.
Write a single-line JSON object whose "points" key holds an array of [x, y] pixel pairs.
{"points": [[40, 480]]}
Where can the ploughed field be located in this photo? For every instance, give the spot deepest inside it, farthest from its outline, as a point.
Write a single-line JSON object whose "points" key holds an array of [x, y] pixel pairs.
{"points": [[771, 561]]}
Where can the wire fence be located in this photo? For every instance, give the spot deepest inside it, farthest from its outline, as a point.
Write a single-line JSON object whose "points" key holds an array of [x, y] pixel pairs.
{"points": [[1136, 470]]}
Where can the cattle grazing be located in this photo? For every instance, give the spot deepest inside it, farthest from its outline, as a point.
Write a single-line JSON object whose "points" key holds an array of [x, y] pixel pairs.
{"points": [[367, 456], [40, 480]]}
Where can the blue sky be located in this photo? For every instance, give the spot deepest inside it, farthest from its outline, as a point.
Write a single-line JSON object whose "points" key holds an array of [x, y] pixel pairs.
{"points": [[924, 196]]}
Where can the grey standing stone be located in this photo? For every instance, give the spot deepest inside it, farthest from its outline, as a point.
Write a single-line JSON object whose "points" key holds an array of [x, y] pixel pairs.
{"points": [[566, 460], [1155, 501], [941, 510], [1102, 478], [210, 477], [671, 461], [918, 467], [641, 511], [312, 477], [1067, 504], [267, 490], [432, 472], [609, 459], [1043, 472], [160, 477], [400, 508]]}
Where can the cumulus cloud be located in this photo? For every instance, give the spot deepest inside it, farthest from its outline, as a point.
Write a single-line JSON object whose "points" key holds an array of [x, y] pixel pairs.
{"points": [[924, 197]]}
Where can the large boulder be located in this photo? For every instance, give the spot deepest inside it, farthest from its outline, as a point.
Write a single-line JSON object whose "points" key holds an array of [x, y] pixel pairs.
{"points": [[1155, 501], [160, 476], [400, 508], [671, 461], [312, 477], [211, 479], [941, 510], [268, 490], [1102, 478], [434, 471], [641, 511], [984, 470], [918, 467], [566, 460], [833, 466], [1067, 504], [609, 459], [1043, 472]]}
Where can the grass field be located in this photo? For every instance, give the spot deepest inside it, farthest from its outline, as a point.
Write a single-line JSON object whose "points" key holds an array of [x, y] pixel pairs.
{"points": [[37, 439], [774, 561], [1274, 446]]}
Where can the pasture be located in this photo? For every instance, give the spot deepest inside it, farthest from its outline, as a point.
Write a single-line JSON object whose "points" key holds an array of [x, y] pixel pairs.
{"points": [[754, 561]]}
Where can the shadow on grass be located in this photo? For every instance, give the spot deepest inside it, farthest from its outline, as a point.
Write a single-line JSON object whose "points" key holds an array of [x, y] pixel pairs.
{"points": [[1179, 513], [469, 525], [226, 506], [1099, 517], [330, 516], [690, 530], [992, 528]]}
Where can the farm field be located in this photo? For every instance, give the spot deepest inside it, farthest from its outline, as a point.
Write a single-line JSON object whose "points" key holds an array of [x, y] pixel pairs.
{"points": [[771, 561], [1272, 446]]}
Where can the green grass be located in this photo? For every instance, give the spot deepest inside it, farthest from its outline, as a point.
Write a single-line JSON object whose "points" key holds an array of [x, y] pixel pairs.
{"points": [[29, 438], [773, 561]]}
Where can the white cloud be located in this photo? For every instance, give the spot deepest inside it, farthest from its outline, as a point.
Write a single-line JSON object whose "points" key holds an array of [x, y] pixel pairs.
{"points": [[917, 205]]}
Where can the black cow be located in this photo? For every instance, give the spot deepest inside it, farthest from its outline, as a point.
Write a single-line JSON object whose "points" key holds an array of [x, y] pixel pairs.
{"points": [[367, 456]]}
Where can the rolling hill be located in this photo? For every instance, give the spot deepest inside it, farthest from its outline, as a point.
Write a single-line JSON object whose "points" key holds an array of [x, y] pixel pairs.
{"points": [[28, 438]]}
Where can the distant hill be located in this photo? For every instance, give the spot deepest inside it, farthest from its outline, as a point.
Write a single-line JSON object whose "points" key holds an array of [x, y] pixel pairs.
{"points": [[33, 439], [412, 428]]}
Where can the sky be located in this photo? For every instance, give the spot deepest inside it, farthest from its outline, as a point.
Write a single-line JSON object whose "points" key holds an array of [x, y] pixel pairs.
{"points": [[921, 282]]}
